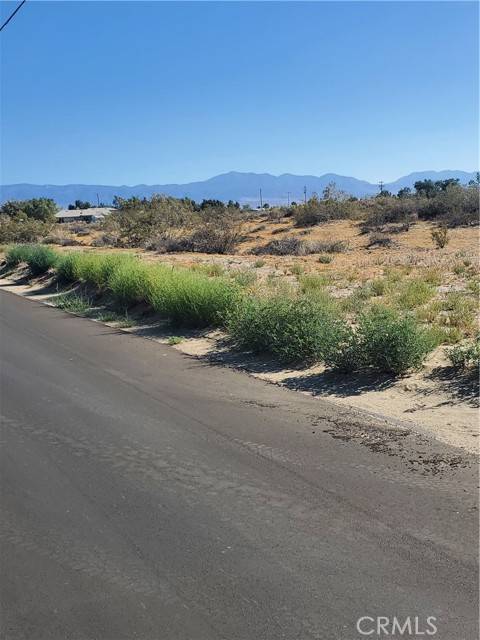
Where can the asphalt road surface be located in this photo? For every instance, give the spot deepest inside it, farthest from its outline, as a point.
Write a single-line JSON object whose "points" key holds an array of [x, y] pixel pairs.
{"points": [[148, 495]]}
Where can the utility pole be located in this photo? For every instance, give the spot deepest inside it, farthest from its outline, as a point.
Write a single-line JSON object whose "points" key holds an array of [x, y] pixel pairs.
{"points": [[305, 194], [288, 198], [98, 201], [261, 201], [380, 184]]}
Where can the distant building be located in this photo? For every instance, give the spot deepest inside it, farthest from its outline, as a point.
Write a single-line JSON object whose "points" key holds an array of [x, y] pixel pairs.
{"points": [[94, 214]]}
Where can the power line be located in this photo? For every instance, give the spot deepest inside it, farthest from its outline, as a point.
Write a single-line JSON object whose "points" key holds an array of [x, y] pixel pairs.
{"points": [[12, 14]]}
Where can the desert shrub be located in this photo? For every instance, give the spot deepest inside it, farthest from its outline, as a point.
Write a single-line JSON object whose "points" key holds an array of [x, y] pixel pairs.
{"points": [[440, 237], [295, 246], [105, 240], [348, 354], [379, 286], [325, 259], [316, 210], [453, 205], [290, 245], [292, 329], [413, 293], [191, 298], [216, 237], [379, 240], [61, 240], [388, 210], [167, 242], [22, 229], [392, 342], [466, 355], [332, 246]]}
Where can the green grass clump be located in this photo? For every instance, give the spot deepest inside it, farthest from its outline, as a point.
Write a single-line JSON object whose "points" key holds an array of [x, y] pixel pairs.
{"points": [[91, 268], [68, 266], [313, 282], [72, 302], [297, 269], [173, 340], [40, 259], [245, 277], [17, 253], [191, 298], [129, 282], [461, 311], [414, 293], [379, 286], [292, 329]]}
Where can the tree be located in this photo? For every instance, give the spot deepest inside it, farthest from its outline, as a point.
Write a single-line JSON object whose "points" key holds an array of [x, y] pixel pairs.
{"points": [[217, 204], [43, 209], [332, 193], [80, 204], [404, 193], [476, 181]]}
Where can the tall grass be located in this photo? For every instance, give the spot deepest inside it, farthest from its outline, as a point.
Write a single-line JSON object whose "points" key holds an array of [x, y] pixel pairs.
{"points": [[17, 253], [38, 257], [191, 298]]}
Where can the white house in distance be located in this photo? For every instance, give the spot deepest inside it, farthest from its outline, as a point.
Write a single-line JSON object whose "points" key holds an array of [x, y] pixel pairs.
{"points": [[94, 214]]}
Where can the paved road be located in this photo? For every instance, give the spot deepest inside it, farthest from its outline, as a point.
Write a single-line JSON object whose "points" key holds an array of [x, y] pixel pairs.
{"points": [[148, 495]]}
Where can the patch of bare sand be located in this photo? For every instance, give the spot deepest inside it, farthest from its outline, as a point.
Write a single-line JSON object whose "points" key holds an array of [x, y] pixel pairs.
{"points": [[436, 400]]}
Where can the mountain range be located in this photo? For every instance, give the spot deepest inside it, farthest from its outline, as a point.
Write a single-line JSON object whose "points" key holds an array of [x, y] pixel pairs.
{"points": [[244, 187]]}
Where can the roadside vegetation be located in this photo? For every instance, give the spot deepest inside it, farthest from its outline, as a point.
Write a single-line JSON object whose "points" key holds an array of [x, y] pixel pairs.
{"points": [[385, 328]]}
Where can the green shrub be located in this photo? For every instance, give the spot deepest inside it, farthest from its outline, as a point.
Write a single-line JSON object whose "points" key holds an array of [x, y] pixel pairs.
{"points": [[40, 259], [440, 237], [325, 259], [292, 329], [348, 354], [314, 282], [466, 355], [392, 342]]}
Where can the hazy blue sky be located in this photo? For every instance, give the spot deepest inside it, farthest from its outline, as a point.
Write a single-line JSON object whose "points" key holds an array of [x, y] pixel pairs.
{"points": [[154, 92]]}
